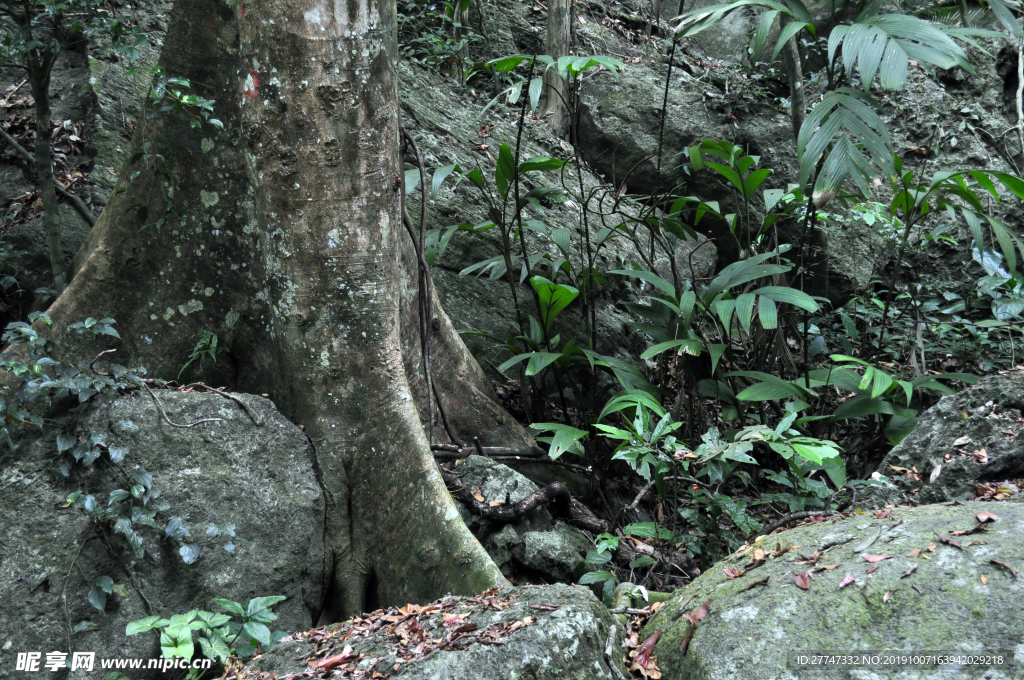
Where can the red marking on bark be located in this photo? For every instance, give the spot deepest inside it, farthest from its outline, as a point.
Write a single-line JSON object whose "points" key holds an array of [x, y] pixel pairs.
{"points": [[253, 92], [243, 9]]}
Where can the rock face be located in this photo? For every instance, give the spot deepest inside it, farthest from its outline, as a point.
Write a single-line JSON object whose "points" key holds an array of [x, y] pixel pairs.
{"points": [[535, 547], [261, 478], [566, 639], [947, 600], [980, 428]]}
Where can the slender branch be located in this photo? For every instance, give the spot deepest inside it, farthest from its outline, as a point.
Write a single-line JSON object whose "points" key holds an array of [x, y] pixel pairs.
{"points": [[75, 200]]}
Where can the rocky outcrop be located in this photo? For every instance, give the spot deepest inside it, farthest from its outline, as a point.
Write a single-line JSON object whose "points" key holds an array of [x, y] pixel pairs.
{"points": [[969, 438], [930, 591], [258, 477], [561, 633], [535, 547]]}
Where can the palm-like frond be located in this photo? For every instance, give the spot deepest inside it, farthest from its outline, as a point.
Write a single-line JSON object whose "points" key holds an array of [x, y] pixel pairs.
{"points": [[883, 45], [844, 122]]}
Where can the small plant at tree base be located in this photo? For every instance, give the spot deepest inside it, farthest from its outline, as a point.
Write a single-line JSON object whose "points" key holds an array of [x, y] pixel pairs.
{"points": [[220, 636], [206, 348]]}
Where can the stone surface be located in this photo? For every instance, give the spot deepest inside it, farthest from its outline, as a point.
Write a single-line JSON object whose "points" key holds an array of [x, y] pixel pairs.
{"points": [[261, 478], [534, 548], [944, 605], [566, 643], [989, 414]]}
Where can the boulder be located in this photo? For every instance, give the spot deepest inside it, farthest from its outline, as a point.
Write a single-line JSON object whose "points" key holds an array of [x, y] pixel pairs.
{"points": [[533, 548], [259, 477], [968, 438], [926, 596], [562, 632]]}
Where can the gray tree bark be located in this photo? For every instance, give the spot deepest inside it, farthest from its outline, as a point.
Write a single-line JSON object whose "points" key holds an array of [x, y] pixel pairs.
{"points": [[291, 249], [558, 43]]}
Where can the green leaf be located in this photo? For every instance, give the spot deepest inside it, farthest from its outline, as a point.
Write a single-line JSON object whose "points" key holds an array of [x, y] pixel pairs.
{"points": [[745, 310], [596, 577], [785, 294], [767, 392], [539, 361], [554, 297], [767, 313], [259, 603], [215, 647], [509, 63], [143, 625], [255, 630], [649, 277], [65, 441], [105, 583], [691, 347], [631, 399], [98, 598], [505, 171], [233, 607], [565, 438], [172, 647], [439, 177]]}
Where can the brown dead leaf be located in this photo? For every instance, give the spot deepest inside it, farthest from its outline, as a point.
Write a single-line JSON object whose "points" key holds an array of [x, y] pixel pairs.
{"points": [[962, 441], [495, 504], [916, 552], [949, 541], [981, 455], [876, 558], [908, 572], [883, 514], [888, 595], [477, 495], [733, 572], [984, 580], [936, 471], [802, 579], [985, 517], [1005, 566], [643, 652], [850, 579], [931, 547], [872, 570]]}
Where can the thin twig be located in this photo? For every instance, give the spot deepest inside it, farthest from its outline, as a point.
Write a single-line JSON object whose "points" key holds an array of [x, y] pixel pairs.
{"points": [[793, 516], [609, 652], [64, 593], [160, 406], [128, 572]]}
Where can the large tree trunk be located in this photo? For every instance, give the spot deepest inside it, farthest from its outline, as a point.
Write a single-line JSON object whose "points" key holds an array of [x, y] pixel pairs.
{"points": [[291, 249]]}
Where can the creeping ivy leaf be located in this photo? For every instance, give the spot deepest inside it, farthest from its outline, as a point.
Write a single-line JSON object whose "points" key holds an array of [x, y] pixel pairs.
{"points": [[98, 598]]}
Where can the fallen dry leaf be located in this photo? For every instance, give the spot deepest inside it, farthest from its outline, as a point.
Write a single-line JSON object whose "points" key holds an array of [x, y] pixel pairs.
{"points": [[985, 517], [733, 572], [802, 579], [949, 541], [694, 616], [962, 441], [936, 471], [876, 558], [888, 595], [908, 572], [931, 547], [984, 580], [1006, 566], [848, 580], [477, 495], [495, 504], [916, 552], [872, 570], [882, 514], [643, 652]]}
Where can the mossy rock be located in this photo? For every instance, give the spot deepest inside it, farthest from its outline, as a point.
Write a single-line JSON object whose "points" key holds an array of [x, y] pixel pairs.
{"points": [[955, 600], [564, 640]]}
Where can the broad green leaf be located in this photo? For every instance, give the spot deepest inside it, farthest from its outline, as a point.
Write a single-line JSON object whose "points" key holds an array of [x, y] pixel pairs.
{"points": [[505, 171]]}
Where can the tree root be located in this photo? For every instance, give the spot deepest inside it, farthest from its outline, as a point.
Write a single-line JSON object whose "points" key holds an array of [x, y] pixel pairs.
{"points": [[160, 406], [794, 516], [555, 495]]}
